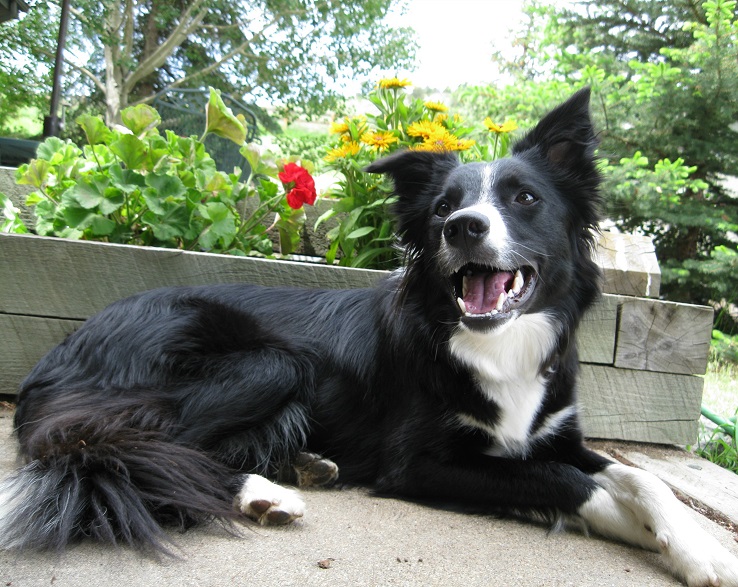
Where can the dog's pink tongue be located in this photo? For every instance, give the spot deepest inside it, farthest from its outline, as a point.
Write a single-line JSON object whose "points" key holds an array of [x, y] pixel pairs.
{"points": [[483, 291]]}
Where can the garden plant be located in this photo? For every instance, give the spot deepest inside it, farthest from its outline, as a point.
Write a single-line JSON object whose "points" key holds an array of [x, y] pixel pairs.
{"points": [[131, 184], [364, 235]]}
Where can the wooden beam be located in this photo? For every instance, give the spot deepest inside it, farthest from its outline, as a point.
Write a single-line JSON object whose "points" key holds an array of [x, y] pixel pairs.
{"points": [[663, 336], [597, 331], [75, 279], [629, 264], [639, 405], [24, 340]]}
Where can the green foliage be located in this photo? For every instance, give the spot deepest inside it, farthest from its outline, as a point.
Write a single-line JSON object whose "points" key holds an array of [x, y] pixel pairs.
{"points": [[720, 448], [724, 348], [364, 236], [10, 220], [135, 186], [296, 53], [310, 146], [719, 403]]}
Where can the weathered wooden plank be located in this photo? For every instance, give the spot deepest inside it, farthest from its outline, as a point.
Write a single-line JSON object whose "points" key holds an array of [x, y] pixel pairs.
{"points": [[629, 264], [663, 336], [642, 406], [23, 341], [697, 478], [74, 279], [596, 335]]}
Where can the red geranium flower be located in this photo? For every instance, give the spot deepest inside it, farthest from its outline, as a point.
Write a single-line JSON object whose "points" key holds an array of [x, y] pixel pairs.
{"points": [[302, 185]]}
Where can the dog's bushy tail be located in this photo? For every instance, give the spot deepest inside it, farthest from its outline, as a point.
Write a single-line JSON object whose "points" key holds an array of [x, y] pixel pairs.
{"points": [[112, 474]]}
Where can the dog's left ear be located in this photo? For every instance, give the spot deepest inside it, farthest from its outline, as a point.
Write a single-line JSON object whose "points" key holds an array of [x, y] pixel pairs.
{"points": [[418, 177], [565, 136]]}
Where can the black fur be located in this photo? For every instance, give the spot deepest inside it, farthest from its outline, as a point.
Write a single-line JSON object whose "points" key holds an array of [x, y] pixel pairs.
{"points": [[149, 414]]}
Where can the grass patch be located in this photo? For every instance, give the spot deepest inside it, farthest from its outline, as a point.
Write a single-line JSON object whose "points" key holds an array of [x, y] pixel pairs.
{"points": [[27, 124], [719, 440]]}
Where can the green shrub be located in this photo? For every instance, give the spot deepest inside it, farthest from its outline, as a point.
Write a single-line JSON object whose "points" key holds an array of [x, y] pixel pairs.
{"points": [[133, 185]]}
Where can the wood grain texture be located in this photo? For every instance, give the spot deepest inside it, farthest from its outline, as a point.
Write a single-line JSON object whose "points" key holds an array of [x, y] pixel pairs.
{"points": [[663, 336], [629, 264], [23, 341], [597, 331], [641, 406], [75, 279]]}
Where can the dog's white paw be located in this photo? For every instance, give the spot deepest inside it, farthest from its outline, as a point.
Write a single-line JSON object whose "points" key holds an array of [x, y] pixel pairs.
{"points": [[698, 557], [637, 507], [268, 503]]}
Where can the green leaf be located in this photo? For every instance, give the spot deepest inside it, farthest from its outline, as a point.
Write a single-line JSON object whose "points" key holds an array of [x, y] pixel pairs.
{"points": [[34, 174], [171, 224], [101, 226], [127, 180], [53, 146], [223, 227], [165, 186], [359, 232], [76, 217], [221, 121], [140, 119], [131, 150], [10, 220], [88, 192], [327, 215], [113, 199], [95, 129]]}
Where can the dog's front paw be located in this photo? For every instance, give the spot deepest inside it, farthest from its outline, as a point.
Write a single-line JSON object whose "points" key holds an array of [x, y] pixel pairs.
{"points": [[698, 557], [309, 470], [268, 503]]}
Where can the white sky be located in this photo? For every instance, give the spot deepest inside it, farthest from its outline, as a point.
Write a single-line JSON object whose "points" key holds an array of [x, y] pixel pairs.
{"points": [[457, 38]]}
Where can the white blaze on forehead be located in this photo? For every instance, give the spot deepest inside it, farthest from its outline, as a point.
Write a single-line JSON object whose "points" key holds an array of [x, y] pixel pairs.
{"points": [[488, 177]]}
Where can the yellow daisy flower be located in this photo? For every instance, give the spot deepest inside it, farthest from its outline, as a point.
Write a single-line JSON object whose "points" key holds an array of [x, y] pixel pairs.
{"points": [[378, 139], [393, 82], [464, 144], [438, 141], [440, 118], [338, 128], [346, 150], [424, 128], [508, 126], [436, 106]]}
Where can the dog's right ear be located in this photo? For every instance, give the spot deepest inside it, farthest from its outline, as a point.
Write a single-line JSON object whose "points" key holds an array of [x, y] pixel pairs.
{"points": [[418, 177]]}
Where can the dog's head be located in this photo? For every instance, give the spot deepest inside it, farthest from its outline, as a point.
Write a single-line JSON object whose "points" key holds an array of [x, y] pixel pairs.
{"points": [[509, 237]]}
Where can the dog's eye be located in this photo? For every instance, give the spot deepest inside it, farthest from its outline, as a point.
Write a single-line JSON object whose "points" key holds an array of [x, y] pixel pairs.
{"points": [[526, 199], [443, 209]]}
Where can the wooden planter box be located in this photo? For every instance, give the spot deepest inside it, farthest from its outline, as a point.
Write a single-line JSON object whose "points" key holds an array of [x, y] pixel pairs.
{"points": [[639, 355]]}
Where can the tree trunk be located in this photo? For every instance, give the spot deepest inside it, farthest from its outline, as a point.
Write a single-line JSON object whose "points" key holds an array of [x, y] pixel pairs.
{"points": [[114, 100]]}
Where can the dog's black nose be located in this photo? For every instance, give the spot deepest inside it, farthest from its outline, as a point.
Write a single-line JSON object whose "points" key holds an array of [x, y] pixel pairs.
{"points": [[466, 227]]}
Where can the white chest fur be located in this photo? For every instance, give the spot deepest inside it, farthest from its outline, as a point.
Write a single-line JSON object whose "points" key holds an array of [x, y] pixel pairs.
{"points": [[507, 364]]}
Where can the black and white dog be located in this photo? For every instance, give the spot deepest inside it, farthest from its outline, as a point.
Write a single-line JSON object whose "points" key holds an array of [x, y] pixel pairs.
{"points": [[454, 380]]}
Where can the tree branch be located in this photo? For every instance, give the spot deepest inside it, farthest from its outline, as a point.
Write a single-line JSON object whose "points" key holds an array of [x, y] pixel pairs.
{"points": [[83, 70], [186, 26]]}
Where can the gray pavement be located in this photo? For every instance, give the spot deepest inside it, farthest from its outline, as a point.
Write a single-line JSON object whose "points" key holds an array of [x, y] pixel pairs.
{"points": [[362, 540]]}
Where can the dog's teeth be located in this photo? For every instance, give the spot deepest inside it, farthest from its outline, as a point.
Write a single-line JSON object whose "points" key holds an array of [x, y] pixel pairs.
{"points": [[501, 302], [462, 305], [464, 286], [518, 283]]}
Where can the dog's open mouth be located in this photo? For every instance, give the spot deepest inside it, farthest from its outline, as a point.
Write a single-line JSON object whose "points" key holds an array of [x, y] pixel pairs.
{"points": [[487, 293]]}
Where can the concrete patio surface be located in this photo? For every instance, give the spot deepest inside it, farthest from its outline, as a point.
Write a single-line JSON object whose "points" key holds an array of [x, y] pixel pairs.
{"points": [[350, 538]]}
